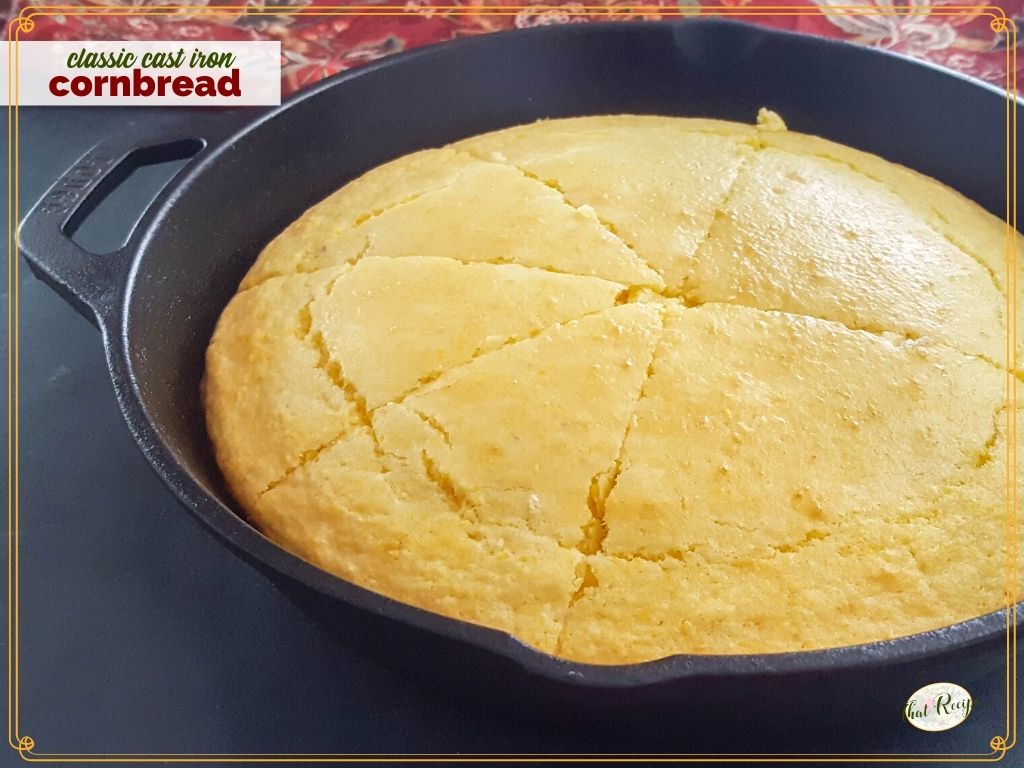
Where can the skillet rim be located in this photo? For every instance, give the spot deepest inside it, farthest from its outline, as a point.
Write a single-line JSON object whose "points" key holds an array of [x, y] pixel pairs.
{"points": [[248, 542]]}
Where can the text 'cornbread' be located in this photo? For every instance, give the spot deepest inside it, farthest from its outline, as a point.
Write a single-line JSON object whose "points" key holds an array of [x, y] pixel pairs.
{"points": [[627, 387]]}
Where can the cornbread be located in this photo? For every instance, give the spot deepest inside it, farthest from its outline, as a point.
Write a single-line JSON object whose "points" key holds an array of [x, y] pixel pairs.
{"points": [[628, 386]]}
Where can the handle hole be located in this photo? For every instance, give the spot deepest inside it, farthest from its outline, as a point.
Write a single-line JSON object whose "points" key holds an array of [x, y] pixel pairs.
{"points": [[105, 220]]}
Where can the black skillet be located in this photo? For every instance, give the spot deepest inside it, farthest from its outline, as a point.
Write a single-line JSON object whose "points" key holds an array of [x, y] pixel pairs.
{"points": [[156, 300]]}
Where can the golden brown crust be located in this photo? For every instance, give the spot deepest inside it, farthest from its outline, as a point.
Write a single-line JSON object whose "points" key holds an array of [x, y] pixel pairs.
{"points": [[605, 383]]}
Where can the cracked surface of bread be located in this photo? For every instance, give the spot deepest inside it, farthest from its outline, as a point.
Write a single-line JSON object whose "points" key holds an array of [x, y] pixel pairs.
{"points": [[405, 306], [349, 513], [270, 398], [580, 378], [846, 249], [514, 220], [759, 429], [685, 175], [925, 563], [607, 383]]}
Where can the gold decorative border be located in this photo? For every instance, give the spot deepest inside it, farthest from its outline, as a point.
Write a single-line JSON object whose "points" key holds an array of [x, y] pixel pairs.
{"points": [[25, 745]]}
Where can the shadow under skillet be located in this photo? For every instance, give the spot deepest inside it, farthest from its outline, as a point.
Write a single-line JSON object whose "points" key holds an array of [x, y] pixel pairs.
{"points": [[140, 632]]}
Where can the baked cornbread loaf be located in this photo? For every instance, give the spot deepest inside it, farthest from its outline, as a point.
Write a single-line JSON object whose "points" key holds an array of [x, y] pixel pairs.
{"points": [[627, 387]]}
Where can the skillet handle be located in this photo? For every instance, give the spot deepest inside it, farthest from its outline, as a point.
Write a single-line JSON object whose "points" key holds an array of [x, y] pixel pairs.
{"points": [[92, 283]]}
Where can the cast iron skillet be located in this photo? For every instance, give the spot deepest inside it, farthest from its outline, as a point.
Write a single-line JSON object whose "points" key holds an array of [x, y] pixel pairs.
{"points": [[156, 300]]}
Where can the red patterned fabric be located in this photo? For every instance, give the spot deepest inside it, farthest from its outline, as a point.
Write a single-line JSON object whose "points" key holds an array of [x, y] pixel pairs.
{"points": [[314, 46]]}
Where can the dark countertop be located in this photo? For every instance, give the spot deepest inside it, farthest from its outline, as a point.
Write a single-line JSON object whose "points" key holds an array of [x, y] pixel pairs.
{"points": [[140, 632]]}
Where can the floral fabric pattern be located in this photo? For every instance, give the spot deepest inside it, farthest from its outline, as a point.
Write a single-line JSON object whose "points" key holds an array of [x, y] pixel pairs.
{"points": [[315, 46]]}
